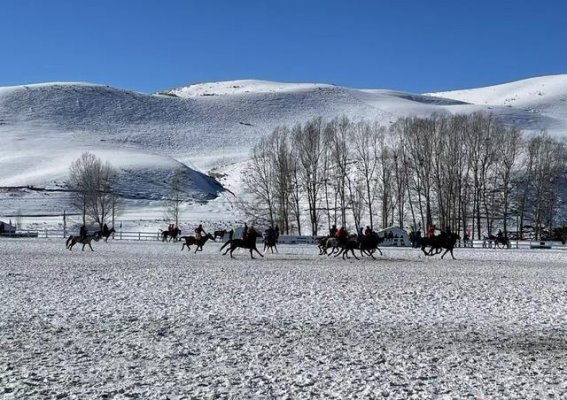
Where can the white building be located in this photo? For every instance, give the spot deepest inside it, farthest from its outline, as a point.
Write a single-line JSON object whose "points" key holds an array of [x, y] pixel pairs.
{"points": [[395, 236]]}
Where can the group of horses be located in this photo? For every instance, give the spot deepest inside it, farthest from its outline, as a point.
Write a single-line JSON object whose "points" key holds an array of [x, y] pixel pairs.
{"points": [[249, 242], [368, 245], [329, 245]]}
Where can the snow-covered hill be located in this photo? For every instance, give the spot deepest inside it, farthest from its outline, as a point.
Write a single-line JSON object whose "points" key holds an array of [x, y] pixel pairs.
{"points": [[212, 126], [545, 96]]}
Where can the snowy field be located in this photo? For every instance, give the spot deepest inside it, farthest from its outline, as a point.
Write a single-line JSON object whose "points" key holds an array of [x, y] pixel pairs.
{"points": [[144, 320]]}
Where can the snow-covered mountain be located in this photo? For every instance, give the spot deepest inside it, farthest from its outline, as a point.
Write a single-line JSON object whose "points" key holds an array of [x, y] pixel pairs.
{"points": [[211, 127]]}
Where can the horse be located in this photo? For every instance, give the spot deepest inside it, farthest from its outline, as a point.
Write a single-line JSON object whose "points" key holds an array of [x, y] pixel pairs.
{"points": [[104, 234], [349, 244], [270, 243], [500, 241], [415, 238], [369, 244], [220, 234], [73, 240], [322, 245], [332, 242], [339, 246], [248, 243], [438, 243], [191, 240], [170, 234]]}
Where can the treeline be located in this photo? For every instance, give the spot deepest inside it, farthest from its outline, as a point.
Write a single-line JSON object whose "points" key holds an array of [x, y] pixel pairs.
{"points": [[468, 172]]}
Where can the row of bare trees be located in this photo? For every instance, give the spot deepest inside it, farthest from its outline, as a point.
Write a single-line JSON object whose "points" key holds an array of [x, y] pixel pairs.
{"points": [[467, 172]]}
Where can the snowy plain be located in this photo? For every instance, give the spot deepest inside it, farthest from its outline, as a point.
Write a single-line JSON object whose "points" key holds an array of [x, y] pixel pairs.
{"points": [[145, 320]]}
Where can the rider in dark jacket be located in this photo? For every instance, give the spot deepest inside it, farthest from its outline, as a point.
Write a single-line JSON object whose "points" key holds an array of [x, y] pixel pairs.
{"points": [[83, 232]]}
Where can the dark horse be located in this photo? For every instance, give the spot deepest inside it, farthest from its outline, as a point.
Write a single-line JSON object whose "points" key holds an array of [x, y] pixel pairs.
{"points": [[191, 240], [168, 235], [270, 242], [368, 244], [500, 241], [73, 240], [219, 234], [104, 234], [438, 243], [248, 243]]}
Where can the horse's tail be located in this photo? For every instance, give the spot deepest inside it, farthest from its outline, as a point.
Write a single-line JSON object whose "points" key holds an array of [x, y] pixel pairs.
{"points": [[68, 240], [226, 244]]}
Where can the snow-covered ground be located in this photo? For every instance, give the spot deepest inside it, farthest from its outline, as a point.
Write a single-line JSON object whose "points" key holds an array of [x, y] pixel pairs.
{"points": [[144, 320]]}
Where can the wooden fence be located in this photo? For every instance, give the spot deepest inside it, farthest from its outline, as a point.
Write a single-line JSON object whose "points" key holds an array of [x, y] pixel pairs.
{"points": [[309, 240]]}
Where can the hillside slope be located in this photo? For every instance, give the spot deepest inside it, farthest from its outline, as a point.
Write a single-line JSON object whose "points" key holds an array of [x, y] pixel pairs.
{"points": [[545, 96], [44, 127]]}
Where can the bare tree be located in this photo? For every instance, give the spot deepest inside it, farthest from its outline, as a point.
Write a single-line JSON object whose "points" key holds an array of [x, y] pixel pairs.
{"points": [[258, 179], [93, 184], [309, 149], [175, 198], [366, 149]]}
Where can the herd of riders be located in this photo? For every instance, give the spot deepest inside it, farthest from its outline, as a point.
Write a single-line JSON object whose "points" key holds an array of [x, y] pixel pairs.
{"points": [[365, 239], [342, 235]]}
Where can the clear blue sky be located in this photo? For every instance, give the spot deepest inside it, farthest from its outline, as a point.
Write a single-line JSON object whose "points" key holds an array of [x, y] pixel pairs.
{"points": [[413, 45]]}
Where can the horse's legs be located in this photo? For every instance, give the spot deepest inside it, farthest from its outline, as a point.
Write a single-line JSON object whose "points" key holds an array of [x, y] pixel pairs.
{"points": [[378, 248], [182, 247], [254, 248], [452, 254], [354, 255], [90, 246]]}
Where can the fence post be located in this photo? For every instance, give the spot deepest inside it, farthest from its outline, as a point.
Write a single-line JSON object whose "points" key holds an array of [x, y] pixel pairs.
{"points": [[139, 235]]}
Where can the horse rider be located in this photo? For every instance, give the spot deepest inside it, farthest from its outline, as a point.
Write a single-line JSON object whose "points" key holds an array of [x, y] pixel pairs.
{"points": [[360, 234], [368, 231], [245, 231], [333, 231], [447, 232], [342, 235], [83, 232], [105, 229], [431, 231], [270, 234], [199, 231], [277, 233]]}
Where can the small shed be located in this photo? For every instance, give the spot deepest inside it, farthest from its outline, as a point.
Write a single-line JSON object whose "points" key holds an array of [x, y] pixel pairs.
{"points": [[395, 236], [7, 228]]}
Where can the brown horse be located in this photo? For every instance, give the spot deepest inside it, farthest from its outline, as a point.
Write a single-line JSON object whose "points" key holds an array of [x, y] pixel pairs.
{"points": [[73, 240], [438, 243], [104, 234], [271, 244], [220, 234], [248, 243], [170, 234], [191, 240]]}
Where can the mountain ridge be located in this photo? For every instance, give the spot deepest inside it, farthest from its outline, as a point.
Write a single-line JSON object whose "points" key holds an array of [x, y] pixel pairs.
{"points": [[212, 126]]}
